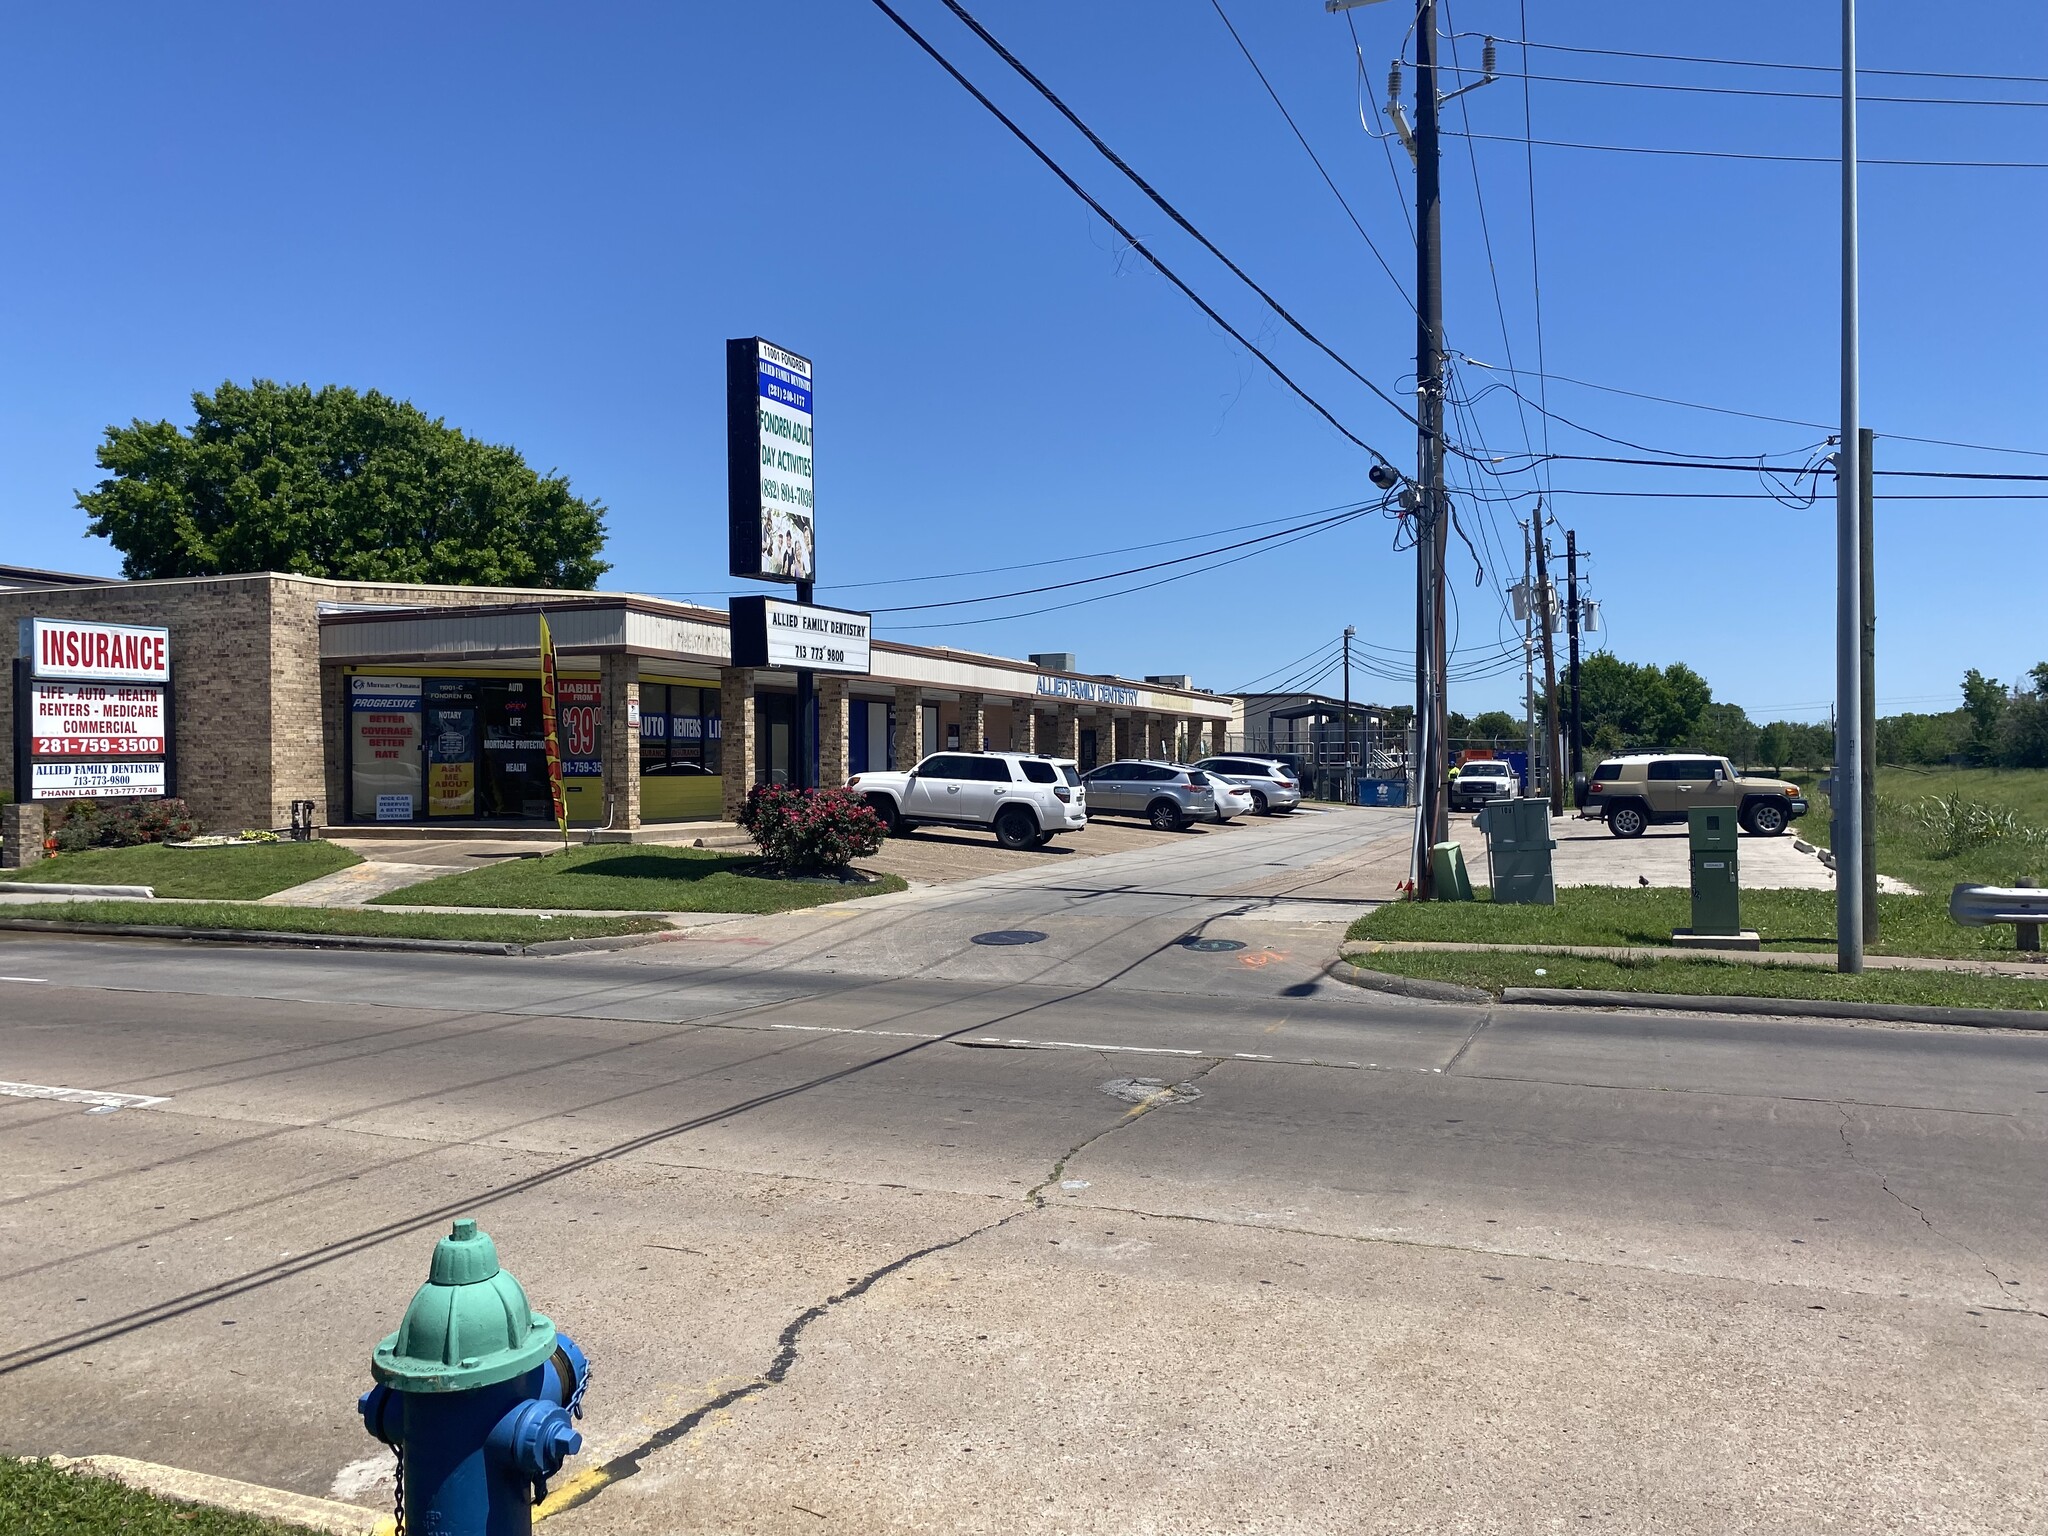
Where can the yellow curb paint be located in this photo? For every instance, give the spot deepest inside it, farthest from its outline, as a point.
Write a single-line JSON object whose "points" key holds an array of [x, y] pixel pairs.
{"points": [[327, 1515], [574, 1491]]}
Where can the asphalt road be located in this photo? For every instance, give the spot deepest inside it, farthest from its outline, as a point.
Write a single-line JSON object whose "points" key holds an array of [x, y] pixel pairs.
{"points": [[867, 1227]]}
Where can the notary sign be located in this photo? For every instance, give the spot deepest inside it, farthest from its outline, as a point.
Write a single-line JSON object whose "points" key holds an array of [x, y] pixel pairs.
{"points": [[768, 633], [93, 710], [768, 462]]}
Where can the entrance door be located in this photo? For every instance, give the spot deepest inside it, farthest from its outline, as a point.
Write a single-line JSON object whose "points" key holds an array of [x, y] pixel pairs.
{"points": [[1088, 753]]}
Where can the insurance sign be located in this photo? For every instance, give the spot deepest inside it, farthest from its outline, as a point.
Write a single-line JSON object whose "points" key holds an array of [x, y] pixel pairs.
{"points": [[84, 652], [769, 473], [96, 720], [798, 636]]}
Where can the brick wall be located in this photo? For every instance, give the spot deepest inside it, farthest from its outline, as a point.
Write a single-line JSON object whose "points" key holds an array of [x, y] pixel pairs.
{"points": [[254, 732]]}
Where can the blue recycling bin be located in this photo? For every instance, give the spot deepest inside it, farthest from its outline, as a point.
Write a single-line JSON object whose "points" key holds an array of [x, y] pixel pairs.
{"points": [[1382, 791]]}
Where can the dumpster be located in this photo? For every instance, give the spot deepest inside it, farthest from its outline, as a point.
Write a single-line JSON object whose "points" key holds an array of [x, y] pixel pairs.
{"points": [[1382, 791]]}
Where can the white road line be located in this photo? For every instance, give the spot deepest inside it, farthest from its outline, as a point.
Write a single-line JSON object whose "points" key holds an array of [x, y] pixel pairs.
{"points": [[90, 1096], [40, 980]]}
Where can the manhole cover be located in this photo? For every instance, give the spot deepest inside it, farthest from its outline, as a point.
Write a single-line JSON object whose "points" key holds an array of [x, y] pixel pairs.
{"points": [[1150, 1090], [1212, 946], [1011, 936]]}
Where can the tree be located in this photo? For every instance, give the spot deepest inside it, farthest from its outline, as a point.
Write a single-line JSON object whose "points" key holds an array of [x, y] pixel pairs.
{"points": [[1645, 707], [1727, 732], [1984, 703], [334, 483], [2023, 726], [1497, 728]]}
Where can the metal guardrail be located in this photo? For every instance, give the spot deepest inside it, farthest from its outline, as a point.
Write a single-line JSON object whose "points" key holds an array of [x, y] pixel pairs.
{"points": [[1980, 906]]}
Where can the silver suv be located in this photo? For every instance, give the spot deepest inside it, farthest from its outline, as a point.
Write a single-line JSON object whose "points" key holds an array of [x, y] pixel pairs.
{"points": [[1272, 782], [1165, 794], [1025, 799]]}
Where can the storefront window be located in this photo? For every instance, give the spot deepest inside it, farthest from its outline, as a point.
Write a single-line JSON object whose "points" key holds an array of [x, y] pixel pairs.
{"points": [[679, 730]]}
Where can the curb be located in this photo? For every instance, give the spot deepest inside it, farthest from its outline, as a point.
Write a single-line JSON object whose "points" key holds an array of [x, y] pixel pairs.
{"points": [[328, 1515], [1782, 1007], [589, 946], [31, 888], [1405, 986], [268, 936]]}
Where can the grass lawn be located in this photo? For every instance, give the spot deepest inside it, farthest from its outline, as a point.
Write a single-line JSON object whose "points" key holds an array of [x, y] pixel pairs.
{"points": [[37, 1499], [1636, 916], [1714, 978], [196, 874], [632, 877], [491, 926], [1907, 849]]}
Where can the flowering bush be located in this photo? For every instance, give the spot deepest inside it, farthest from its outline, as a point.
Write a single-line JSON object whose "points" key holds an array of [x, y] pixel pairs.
{"points": [[810, 831], [123, 824]]}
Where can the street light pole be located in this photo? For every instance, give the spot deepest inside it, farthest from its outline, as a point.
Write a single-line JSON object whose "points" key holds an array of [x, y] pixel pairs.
{"points": [[1847, 799]]}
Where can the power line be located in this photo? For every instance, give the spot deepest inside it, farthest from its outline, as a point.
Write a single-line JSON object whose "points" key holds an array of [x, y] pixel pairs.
{"points": [[1351, 514], [1738, 90], [1159, 202], [1114, 223], [1392, 277], [1818, 69], [1733, 154]]}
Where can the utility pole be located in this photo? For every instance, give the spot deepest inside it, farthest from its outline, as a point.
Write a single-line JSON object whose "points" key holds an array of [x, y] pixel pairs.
{"points": [[1432, 525], [1349, 759], [1529, 659], [1847, 799], [1866, 544], [1575, 761], [1544, 597]]}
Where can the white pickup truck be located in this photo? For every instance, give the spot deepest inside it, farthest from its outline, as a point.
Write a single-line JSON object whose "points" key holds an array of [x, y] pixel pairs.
{"points": [[1025, 799]]}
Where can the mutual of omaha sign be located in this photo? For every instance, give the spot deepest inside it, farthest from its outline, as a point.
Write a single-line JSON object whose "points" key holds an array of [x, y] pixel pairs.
{"points": [[95, 720], [768, 633], [768, 462]]}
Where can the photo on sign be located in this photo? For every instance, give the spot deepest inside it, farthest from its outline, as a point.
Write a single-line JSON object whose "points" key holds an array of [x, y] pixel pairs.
{"points": [[773, 535]]}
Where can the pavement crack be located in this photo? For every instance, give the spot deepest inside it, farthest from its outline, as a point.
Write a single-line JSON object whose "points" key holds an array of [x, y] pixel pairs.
{"points": [[1485, 1018], [789, 1343], [1884, 1184]]}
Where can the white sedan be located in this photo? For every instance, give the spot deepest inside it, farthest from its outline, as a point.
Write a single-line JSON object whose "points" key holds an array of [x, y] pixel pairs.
{"points": [[1231, 799]]}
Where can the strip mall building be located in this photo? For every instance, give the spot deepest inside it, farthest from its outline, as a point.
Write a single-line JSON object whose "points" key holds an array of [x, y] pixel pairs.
{"points": [[421, 705]]}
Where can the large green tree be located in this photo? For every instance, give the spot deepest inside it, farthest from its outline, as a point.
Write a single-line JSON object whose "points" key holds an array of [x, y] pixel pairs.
{"points": [[332, 482], [1640, 705]]}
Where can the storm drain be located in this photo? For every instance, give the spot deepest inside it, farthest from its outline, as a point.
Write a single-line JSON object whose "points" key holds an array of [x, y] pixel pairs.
{"points": [[1211, 946], [1011, 936], [1150, 1090]]}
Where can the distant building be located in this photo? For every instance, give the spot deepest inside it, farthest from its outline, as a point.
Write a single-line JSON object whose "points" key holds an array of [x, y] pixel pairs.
{"points": [[26, 578], [1310, 727]]}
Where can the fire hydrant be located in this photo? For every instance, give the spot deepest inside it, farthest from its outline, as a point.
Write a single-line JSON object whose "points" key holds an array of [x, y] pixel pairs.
{"points": [[477, 1393]]}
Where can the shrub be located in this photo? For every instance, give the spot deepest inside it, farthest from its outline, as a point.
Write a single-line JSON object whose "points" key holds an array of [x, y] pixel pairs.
{"points": [[122, 824], [811, 831], [1953, 826]]}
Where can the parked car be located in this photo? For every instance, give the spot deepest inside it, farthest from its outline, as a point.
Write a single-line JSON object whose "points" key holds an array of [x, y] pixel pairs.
{"points": [[1481, 780], [1164, 794], [1274, 784], [1231, 799], [1632, 792], [1024, 798]]}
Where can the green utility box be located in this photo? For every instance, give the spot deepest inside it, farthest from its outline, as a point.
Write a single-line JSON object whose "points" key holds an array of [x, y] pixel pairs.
{"points": [[1447, 861], [1518, 845], [1716, 881]]}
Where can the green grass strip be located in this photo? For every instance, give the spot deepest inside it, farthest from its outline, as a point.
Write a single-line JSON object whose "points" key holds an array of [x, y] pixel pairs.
{"points": [[489, 926], [37, 1499], [634, 877], [196, 874], [1499, 969], [1637, 917]]}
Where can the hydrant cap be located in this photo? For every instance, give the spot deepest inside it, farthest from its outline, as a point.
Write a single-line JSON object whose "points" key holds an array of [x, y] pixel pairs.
{"points": [[468, 1326]]}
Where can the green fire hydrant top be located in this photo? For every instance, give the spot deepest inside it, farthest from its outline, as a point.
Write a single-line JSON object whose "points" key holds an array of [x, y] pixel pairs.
{"points": [[468, 1326]]}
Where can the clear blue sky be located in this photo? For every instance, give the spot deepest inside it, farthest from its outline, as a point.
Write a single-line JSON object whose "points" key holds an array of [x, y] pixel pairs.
{"points": [[541, 222]]}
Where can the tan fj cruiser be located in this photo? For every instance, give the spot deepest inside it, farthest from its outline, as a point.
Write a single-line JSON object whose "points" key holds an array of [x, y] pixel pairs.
{"points": [[1633, 791]]}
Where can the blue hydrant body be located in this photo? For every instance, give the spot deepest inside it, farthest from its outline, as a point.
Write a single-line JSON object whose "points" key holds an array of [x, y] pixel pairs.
{"points": [[478, 1395]]}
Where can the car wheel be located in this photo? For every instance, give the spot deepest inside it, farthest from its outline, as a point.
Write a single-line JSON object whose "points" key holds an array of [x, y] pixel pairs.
{"points": [[892, 820], [1042, 840], [1627, 820], [1767, 818], [1259, 806], [1016, 829], [1165, 816]]}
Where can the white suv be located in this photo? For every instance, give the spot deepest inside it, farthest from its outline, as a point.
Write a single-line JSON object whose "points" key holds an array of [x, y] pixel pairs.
{"points": [[1025, 799]]}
